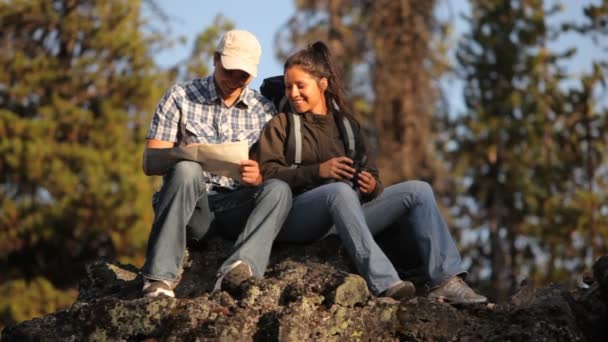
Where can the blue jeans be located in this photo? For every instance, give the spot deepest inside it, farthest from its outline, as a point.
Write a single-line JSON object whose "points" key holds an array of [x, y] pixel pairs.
{"points": [[183, 209], [418, 227], [411, 205]]}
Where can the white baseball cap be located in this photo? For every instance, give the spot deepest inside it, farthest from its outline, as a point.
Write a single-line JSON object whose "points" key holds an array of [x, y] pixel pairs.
{"points": [[240, 50]]}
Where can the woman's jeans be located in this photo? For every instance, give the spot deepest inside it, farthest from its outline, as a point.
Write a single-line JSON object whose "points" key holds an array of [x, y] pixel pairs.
{"points": [[184, 210], [411, 205]]}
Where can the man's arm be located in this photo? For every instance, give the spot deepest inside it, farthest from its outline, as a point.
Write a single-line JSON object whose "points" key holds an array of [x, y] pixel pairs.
{"points": [[150, 169], [155, 143]]}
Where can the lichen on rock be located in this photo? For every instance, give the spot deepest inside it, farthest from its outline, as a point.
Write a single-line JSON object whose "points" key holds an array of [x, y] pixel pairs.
{"points": [[308, 294]]}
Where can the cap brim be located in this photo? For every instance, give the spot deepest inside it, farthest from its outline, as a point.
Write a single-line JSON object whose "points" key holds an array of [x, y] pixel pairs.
{"points": [[232, 63]]}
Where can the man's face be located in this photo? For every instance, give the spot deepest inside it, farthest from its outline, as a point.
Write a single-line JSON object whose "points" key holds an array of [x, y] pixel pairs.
{"points": [[229, 82]]}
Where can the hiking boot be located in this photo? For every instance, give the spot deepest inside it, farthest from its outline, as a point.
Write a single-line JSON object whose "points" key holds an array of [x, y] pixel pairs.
{"points": [[403, 290], [232, 278], [456, 291], [154, 288]]}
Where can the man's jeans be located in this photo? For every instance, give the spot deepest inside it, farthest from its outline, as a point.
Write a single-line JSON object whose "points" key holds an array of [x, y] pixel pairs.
{"points": [[184, 210], [411, 205]]}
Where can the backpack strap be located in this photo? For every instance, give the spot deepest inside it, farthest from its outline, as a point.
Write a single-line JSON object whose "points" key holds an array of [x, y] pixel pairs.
{"points": [[296, 125], [347, 133], [293, 150], [349, 139]]}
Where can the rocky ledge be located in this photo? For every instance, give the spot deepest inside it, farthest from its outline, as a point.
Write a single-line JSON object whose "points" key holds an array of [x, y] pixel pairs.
{"points": [[308, 294]]}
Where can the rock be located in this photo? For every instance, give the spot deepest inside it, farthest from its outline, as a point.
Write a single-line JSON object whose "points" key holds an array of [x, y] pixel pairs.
{"points": [[309, 292], [524, 294], [600, 275], [352, 291]]}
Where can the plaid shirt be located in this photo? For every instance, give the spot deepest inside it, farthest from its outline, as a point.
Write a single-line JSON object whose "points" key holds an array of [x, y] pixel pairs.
{"points": [[193, 112]]}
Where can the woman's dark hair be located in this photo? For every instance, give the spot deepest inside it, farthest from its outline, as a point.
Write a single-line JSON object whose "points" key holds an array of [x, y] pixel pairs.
{"points": [[316, 60]]}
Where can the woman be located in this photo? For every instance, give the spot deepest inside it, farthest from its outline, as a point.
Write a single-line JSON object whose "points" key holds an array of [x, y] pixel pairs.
{"points": [[326, 194]]}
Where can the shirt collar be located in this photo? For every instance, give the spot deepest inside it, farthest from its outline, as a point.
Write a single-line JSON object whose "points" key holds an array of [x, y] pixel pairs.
{"points": [[212, 95]]}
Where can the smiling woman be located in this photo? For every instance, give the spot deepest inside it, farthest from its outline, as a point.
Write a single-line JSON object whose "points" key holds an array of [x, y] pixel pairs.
{"points": [[338, 190]]}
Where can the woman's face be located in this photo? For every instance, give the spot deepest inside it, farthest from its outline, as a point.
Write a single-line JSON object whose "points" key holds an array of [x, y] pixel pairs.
{"points": [[304, 92]]}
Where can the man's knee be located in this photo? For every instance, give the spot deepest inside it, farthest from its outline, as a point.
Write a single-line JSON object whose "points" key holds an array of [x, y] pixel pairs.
{"points": [[277, 190], [187, 172]]}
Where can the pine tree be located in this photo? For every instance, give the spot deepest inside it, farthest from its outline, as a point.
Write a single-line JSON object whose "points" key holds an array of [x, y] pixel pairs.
{"points": [[497, 136], [587, 138], [77, 87], [404, 67], [519, 146]]}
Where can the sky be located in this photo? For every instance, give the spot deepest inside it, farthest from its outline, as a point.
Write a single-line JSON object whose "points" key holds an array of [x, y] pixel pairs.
{"points": [[265, 18], [262, 18]]}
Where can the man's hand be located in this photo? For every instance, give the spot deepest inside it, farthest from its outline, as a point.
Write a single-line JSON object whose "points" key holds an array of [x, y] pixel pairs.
{"points": [[338, 168], [250, 173], [367, 182]]}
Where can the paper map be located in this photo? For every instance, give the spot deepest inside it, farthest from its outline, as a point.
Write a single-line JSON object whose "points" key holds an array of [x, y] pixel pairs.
{"points": [[219, 159]]}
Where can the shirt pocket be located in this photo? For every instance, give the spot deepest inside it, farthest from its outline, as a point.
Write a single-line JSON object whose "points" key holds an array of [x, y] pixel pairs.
{"points": [[249, 135], [197, 132]]}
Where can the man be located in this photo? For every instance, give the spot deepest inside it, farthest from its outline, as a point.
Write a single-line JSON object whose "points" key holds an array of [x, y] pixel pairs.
{"points": [[213, 110]]}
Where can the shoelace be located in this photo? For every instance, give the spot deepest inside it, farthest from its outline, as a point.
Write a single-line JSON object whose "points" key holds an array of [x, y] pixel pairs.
{"points": [[460, 288]]}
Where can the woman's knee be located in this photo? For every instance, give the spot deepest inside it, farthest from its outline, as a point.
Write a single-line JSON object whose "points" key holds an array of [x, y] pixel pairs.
{"points": [[422, 189], [341, 191], [422, 186], [414, 191]]}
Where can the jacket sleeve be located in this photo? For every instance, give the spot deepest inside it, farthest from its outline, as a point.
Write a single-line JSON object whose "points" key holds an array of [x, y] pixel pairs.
{"points": [[272, 159]]}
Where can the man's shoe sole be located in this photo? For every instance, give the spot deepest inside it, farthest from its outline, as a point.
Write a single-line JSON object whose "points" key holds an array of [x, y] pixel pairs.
{"points": [[233, 276], [158, 288]]}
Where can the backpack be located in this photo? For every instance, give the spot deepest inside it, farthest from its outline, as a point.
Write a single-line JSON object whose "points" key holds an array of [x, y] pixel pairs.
{"points": [[273, 88]]}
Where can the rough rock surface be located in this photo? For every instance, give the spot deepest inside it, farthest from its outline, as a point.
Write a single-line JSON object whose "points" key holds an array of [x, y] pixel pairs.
{"points": [[308, 294]]}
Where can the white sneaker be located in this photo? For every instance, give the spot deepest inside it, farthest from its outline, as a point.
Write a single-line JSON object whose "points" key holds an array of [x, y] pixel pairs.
{"points": [[154, 288]]}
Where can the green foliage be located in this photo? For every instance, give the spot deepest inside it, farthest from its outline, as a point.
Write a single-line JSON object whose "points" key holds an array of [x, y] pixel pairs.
{"points": [[21, 300], [77, 87], [530, 149]]}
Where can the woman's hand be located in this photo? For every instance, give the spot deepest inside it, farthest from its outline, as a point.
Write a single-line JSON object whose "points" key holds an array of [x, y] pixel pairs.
{"points": [[250, 173], [338, 168], [367, 182]]}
